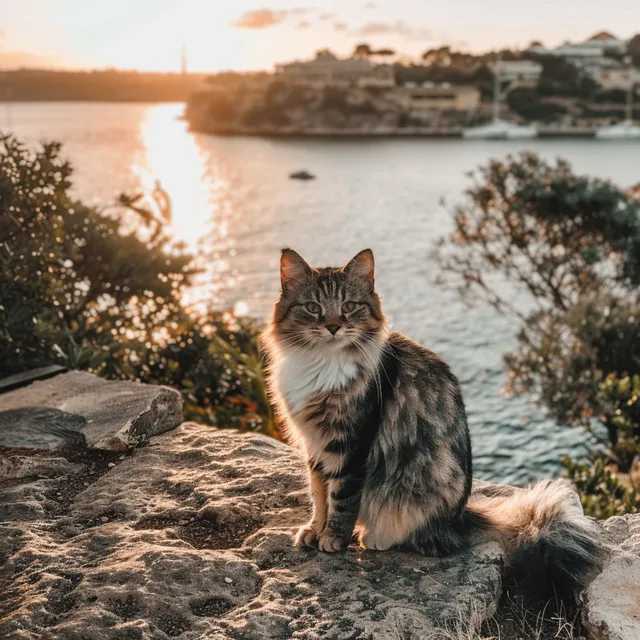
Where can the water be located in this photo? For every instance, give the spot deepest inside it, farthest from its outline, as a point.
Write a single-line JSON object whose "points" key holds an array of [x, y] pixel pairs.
{"points": [[233, 196]]}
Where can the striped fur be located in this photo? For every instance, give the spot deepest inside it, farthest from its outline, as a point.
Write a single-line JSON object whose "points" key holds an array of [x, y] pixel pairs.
{"points": [[384, 429]]}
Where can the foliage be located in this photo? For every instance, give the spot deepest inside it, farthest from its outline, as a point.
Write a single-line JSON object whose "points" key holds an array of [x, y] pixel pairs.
{"points": [[362, 50], [562, 78], [217, 363], [336, 98], [602, 493], [618, 96], [633, 48], [528, 105], [79, 290], [566, 249]]}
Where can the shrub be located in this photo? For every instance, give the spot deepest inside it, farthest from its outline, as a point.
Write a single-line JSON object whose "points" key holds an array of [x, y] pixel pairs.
{"points": [[527, 104], [572, 243], [79, 290]]}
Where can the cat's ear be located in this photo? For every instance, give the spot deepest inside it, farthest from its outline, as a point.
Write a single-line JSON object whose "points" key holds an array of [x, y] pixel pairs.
{"points": [[293, 269], [362, 266]]}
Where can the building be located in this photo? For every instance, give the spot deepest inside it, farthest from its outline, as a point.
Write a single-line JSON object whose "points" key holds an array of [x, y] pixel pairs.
{"points": [[423, 101], [380, 77], [607, 43], [519, 73], [612, 75], [580, 55], [588, 53], [327, 70]]}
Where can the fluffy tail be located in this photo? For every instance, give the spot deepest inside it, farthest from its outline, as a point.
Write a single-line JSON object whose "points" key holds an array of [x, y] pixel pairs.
{"points": [[548, 540]]}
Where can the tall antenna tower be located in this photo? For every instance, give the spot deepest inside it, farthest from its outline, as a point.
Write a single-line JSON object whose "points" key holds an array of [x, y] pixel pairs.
{"points": [[183, 60]]}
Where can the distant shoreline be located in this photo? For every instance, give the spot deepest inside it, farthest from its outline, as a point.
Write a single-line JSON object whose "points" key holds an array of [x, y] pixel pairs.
{"points": [[4, 101], [404, 132]]}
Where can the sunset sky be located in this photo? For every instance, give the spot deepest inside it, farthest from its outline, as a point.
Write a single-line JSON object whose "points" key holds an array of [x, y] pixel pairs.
{"points": [[256, 34]]}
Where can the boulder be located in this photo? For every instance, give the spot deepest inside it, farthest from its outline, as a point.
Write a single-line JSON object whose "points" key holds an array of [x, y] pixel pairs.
{"points": [[191, 537], [612, 602], [78, 410]]}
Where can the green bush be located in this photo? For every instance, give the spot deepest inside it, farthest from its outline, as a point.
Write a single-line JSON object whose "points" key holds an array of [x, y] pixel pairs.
{"points": [[527, 104], [78, 290], [572, 245]]}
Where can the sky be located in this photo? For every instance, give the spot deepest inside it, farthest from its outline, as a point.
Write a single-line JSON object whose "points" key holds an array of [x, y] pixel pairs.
{"points": [[257, 34]]}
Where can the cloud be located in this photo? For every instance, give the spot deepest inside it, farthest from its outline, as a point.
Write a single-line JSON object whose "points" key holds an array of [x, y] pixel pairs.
{"points": [[303, 24], [370, 5], [258, 19], [340, 26], [264, 18], [398, 28], [327, 16]]}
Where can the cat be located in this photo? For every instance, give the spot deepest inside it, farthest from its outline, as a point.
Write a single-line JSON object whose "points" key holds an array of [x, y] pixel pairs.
{"points": [[383, 426]]}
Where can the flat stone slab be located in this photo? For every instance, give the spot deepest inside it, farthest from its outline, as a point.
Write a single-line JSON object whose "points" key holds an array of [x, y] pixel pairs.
{"points": [[78, 409], [191, 537], [612, 601], [17, 380]]}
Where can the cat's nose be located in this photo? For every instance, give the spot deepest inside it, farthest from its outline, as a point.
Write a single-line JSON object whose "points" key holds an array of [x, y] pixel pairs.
{"points": [[332, 328]]}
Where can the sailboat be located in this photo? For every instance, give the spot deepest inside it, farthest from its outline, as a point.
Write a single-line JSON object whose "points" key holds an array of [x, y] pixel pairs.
{"points": [[499, 129], [625, 130]]}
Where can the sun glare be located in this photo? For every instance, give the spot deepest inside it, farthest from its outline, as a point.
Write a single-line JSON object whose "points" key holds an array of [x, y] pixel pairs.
{"points": [[175, 161], [172, 159]]}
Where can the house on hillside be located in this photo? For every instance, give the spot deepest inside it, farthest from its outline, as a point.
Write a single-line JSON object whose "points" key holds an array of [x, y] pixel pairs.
{"points": [[328, 70], [611, 75], [423, 101], [590, 52], [519, 73], [607, 42]]}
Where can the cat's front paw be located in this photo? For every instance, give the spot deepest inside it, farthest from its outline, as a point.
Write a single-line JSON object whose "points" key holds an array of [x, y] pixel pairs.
{"points": [[331, 542], [307, 537]]}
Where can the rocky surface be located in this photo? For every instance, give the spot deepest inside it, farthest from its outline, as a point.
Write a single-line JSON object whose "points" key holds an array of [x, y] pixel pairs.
{"points": [[612, 601], [77, 410], [190, 537]]}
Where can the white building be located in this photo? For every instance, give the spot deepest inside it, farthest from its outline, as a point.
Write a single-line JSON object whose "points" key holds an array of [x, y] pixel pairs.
{"points": [[607, 42], [611, 75], [429, 98], [328, 70], [380, 77], [579, 54], [591, 52], [519, 73]]}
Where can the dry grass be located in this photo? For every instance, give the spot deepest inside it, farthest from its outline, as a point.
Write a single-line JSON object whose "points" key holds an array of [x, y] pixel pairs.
{"points": [[516, 620]]}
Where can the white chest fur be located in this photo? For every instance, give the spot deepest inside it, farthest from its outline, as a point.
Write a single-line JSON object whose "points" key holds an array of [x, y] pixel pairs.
{"points": [[302, 373]]}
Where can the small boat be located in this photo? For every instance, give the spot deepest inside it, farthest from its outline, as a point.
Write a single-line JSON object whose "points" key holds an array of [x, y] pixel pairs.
{"points": [[499, 129], [301, 175], [622, 131], [625, 130]]}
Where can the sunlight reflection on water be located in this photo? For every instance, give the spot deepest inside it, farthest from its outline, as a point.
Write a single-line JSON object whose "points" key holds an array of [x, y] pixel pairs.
{"points": [[189, 176]]}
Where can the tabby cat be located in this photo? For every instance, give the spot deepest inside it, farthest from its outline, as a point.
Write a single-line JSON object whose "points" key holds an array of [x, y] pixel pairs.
{"points": [[383, 426]]}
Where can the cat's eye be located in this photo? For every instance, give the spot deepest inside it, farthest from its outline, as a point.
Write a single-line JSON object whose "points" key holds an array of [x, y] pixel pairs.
{"points": [[348, 307], [313, 307]]}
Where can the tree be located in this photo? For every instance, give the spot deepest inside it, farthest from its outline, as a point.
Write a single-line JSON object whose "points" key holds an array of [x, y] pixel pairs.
{"points": [[362, 50], [66, 267], [384, 53], [633, 49], [562, 78], [571, 245], [527, 104], [437, 57], [325, 53]]}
